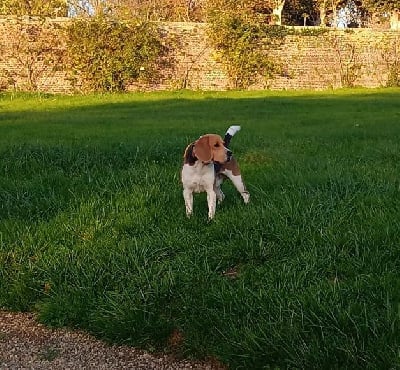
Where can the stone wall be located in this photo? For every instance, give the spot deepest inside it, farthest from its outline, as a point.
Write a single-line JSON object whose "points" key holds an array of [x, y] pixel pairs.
{"points": [[309, 60]]}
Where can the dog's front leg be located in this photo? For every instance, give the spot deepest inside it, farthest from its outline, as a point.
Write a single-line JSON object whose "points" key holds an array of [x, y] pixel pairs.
{"points": [[188, 196], [211, 201]]}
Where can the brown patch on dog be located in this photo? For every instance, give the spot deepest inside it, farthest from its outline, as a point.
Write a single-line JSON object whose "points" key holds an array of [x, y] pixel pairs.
{"points": [[188, 156], [232, 166], [210, 148], [218, 150], [202, 149]]}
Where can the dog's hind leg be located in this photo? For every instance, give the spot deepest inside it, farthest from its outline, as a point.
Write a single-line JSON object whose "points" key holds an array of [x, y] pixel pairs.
{"points": [[239, 185]]}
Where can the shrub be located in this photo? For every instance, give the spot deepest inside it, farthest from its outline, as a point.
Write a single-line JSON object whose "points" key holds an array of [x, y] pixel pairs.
{"points": [[34, 52], [109, 55], [242, 41]]}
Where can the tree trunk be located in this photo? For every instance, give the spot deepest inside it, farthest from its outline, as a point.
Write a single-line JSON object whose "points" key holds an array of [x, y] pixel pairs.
{"points": [[322, 14], [334, 10], [395, 20], [277, 12]]}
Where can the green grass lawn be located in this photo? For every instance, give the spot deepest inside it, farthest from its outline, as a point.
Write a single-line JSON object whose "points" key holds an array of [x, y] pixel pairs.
{"points": [[93, 232]]}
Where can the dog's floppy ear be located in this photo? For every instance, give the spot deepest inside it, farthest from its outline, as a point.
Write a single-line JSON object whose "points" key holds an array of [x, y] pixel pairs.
{"points": [[202, 149]]}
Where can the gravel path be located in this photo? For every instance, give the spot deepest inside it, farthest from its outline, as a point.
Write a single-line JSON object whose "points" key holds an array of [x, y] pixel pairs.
{"points": [[26, 344]]}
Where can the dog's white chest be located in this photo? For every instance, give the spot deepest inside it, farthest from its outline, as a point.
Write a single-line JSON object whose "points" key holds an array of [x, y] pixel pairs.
{"points": [[199, 177]]}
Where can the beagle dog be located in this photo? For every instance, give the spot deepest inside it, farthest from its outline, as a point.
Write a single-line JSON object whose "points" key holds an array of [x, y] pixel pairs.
{"points": [[207, 162]]}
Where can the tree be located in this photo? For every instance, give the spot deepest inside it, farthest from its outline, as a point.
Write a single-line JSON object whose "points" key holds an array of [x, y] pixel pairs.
{"points": [[36, 50], [89, 7], [148, 10], [323, 5], [380, 7], [329, 7], [317, 10], [277, 7], [270, 8], [48, 8], [351, 15], [164, 10], [294, 11]]}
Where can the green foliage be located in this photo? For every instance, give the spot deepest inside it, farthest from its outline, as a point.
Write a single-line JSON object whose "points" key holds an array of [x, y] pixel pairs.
{"points": [[311, 31], [394, 75], [48, 8], [391, 56], [348, 59], [381, 6], [296, 10], [242, 41], [93, 232], [108, 55]]}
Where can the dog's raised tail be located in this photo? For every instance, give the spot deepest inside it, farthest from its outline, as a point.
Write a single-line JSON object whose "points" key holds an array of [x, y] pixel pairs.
{"points": [[232, 130]]}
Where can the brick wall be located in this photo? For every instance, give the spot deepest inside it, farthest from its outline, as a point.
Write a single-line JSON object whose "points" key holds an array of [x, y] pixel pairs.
{"points": [[43, 59], [361, 57]]}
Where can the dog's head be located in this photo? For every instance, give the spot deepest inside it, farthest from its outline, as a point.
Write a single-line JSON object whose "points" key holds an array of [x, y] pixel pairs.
{"points": [[211, 148]]}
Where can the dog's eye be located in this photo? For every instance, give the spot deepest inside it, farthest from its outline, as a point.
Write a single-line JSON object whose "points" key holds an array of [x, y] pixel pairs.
{"points": [[216, 145]]}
